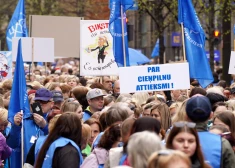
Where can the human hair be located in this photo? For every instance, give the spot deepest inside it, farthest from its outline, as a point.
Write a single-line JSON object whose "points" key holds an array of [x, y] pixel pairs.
{"points": [[52, 85], [86, 134], [140, 97], [3, 115], [148, 105], [140, 146], [197, 90], [6, 85], [69, 106], [124, 98], [97, 85], [70, 77], [110, 137], [146, 124], [108, 99], [92, 121], [164, 112], [219, 127], [222, 83], [180, 114], [102, 121], [68, 126], [126, 126], [164, 158], [175, 131], [116, 113], [52, 122], [231, 104], [65, 88], [182, 98], [228, 119], [217, 104], [79, 93]]}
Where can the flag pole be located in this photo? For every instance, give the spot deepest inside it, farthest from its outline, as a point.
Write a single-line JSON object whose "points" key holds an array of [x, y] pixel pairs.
{"points": [[123, 38], [22, 140], [182, 30]]}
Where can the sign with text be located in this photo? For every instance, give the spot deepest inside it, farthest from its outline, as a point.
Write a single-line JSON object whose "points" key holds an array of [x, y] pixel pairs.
{"points": [[34, 49], [154, 77], [231, 69], [96, 50]]}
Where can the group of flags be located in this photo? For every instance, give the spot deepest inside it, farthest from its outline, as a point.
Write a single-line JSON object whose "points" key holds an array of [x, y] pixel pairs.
{"points": [[194, 46]]}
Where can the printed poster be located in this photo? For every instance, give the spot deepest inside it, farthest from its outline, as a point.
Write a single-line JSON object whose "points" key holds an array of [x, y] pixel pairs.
{"points": [[5, 65], [96, 49]]}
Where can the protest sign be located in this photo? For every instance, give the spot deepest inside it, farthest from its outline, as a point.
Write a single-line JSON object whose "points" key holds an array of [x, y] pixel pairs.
{"points": [[34, 49], [96, 53], [154, 78], [232, 63], [5, 65]]}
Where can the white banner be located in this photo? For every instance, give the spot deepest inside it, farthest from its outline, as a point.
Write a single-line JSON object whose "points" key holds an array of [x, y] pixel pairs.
{"points": [[232, 63], [96, 51], [154, 77], [43, 49]]}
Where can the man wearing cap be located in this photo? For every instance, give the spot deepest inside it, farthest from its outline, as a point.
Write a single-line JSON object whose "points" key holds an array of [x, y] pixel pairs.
{"points": [[95, 99], [217, 151], [35, 125]]}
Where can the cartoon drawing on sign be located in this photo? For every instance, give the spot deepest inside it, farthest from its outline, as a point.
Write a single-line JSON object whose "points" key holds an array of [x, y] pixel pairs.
{"points": [[4, 67], [101, 46]]}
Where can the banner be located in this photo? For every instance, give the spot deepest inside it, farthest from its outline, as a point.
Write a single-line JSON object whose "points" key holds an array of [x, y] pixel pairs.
{"points": [[5, 65], [231, 69], [96, 49], [154, 78]]}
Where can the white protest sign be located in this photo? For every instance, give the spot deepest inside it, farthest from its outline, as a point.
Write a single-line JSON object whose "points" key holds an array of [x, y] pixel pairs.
{"points": [[5, 65], [96, 50], [231, 69], [154, 77], [43, 49]]}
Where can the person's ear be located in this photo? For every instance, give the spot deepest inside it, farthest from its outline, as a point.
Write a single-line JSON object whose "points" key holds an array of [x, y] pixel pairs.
{"points": [[211, 115]]}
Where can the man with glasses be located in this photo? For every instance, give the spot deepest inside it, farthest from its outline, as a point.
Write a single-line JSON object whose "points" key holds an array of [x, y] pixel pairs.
{"points": [[218, 152], [34, 124]]}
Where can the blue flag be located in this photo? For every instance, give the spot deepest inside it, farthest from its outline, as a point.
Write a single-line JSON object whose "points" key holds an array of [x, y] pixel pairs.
{"points": [[194, 43], [19, 97], [17, 26], [115, 28], [155, 51]]}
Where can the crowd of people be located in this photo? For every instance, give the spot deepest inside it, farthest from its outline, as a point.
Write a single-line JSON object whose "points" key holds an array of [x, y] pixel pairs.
{"points": [[86, 122]]}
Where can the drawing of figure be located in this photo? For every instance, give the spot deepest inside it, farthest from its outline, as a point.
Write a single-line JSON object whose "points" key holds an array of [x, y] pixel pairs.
{"points": [[101, 46]]}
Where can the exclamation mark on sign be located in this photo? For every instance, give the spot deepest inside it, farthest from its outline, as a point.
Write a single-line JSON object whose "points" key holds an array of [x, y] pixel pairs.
{"points": [[172, 85]]}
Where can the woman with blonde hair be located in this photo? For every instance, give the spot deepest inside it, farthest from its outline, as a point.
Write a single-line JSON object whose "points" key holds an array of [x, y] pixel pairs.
{"points": [[73, 106], [161, 112], [140, 147], [140, 98], [169, 159], [180, 114], [72, 80]]}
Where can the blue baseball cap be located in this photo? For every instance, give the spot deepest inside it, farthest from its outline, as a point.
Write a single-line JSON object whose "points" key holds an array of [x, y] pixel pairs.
{"points": [[43, 94]]}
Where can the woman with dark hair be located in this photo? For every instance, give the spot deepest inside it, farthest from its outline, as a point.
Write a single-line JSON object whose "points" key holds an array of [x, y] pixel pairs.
{"points": [[99, 155], [62, 146], [79, 93], [183, 136], [227, 119], [197, 90]]}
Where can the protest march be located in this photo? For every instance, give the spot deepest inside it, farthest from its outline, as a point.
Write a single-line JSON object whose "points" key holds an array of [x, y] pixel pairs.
{"points": [[111, 107]]}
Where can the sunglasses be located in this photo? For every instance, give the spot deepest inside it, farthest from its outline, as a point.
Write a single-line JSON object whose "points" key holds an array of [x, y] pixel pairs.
{"points": [[42, 102], [185, 124]]}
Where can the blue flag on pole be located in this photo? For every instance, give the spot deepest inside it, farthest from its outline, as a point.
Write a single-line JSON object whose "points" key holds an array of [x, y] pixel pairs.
{"points": [[17, 26], [115, 28], [194, 37], [155, 51], [19, 97]]}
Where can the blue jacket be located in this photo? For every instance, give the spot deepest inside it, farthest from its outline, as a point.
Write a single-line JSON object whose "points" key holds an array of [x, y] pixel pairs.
{"points": [[30, 129], [59, 143], [212, 148], [87, 114]]}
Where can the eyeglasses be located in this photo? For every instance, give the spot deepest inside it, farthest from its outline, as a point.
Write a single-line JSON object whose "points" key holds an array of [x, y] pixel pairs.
{"points": [[42, 102], [185, 124]]}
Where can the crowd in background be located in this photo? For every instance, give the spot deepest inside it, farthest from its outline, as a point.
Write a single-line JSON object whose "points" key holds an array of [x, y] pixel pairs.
{"points": [[87, 123]]}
